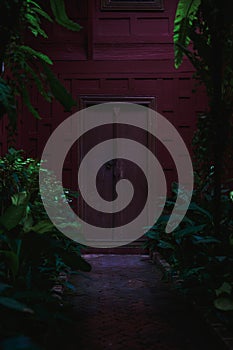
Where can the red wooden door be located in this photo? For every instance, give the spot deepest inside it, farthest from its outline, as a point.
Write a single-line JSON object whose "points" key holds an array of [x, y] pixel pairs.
{"points": [[114, 170]]}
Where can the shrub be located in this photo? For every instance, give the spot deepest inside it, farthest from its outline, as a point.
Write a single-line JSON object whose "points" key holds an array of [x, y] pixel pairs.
{"points": [[32, 251]]}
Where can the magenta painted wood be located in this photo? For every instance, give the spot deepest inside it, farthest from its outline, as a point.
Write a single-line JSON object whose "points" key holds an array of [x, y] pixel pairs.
{"points": [[121, 53]]}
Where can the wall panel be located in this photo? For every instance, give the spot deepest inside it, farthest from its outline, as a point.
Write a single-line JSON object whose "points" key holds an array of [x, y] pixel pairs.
{"points": [[124, 53]]}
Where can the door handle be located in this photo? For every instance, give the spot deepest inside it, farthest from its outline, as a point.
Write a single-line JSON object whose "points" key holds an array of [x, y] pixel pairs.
{"points": [[109, 164]]}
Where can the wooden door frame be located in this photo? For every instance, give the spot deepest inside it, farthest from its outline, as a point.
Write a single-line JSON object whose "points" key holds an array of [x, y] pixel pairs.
{"points": [[131, 5], [85, 101]]}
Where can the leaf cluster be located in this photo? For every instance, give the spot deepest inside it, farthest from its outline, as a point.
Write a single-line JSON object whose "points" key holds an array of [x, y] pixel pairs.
{"points": [[33, 253], [21, 64], [202, 258]]}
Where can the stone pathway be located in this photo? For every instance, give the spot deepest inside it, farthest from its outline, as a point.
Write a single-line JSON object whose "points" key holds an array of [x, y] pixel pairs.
{"points": [[124, 304]]}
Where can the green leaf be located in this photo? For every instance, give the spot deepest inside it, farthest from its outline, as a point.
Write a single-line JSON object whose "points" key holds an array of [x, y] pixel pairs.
{"points": [[188, 231], [12, 216], [194, 207], [231, 239], [59, 11], [205, 239], [185, 14], [4, 286], [153, 235], [5, 92], [35, 54], [71, 225], [19, 198], [225, 288], [11, 260], [7, 103], [193, 271], [224, 304], [39, 83], [28, 221], [34, 26], [26, 100], [70, 286], [165, 245], [42, 13], [19, 343], [43, 226], [13, 304], [58, 90]]}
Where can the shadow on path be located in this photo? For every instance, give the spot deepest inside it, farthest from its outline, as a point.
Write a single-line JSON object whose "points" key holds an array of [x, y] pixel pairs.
{"points": [[125, 305]]}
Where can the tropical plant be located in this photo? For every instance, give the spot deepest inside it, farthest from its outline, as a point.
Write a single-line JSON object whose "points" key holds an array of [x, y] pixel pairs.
{"points": [[21, 64], [33, 254], [208, 27], [202, 259], [200, 249]]}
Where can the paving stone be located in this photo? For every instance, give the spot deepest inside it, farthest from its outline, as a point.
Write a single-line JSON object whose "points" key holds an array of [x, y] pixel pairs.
{"points": [[125, 304]]}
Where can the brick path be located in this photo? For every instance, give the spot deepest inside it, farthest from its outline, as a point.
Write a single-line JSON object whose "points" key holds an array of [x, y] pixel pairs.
{"points": [[125, 305]]}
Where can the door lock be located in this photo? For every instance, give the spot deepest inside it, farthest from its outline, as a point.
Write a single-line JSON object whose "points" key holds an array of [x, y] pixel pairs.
{"points": [[109, 164]]}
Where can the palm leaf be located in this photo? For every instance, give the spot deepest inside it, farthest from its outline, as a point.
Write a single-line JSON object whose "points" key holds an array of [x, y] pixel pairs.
{"points": [[59, 11], [185, 15], [37, 78], [11, 260], [28, 50], [58, 90], [27, 102], [42, 13], [7, 103]]}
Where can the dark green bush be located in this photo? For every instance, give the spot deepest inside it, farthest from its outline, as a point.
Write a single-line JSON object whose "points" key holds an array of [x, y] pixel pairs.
{"points": [[33, 252], [202, 258]]}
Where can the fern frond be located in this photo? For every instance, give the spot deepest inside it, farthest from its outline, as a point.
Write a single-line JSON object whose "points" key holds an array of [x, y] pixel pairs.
{"points": [[7, 102], [59, 11], [186, 13], [38, 82], [27, 102], [58, 90], [5, 92], [31, 2], [36, 54], [34, 25], [42, 13]]}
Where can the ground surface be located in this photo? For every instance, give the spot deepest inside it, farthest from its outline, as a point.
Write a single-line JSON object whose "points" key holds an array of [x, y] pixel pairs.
{"points": [[125, 305]]}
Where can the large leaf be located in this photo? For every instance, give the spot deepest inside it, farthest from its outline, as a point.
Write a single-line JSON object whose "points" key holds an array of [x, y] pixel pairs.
{"points": [[36, 54], [185, 14], [199, 210], [12, 216], [39, 82], [59, 11], [26, 100], [224, 304], [19, 198], [11, 260], [43, 226], [7, 102], [225, 288], [19, 343], [4, 286], [13, 304], [165, 245], [188, 231], [205, 239], [153, 235], [32, 15], [58, 90]]}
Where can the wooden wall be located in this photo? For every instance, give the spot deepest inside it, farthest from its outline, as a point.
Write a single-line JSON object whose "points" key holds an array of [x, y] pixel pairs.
{"points": [[127, 53]]}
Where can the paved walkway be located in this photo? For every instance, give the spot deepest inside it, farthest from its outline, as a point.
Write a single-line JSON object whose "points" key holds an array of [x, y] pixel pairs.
{"points": [[125, 305]]}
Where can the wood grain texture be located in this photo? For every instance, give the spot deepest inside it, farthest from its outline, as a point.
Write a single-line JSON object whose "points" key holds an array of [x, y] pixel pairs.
{"points": [[121, 53]]}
